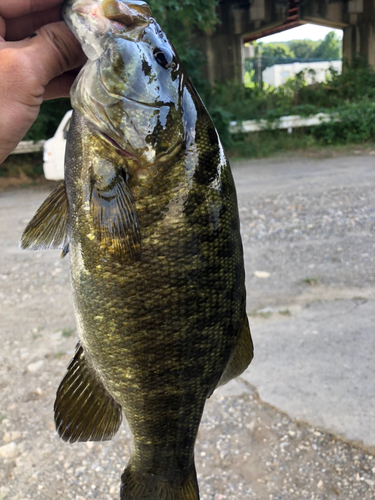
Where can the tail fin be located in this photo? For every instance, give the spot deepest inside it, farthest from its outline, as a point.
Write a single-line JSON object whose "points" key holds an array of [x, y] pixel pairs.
{"points": [[136, 485]]}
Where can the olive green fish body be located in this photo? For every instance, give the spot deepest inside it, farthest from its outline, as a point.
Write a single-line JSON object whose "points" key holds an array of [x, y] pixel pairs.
{"points": [[151, 223], [160, 329]]}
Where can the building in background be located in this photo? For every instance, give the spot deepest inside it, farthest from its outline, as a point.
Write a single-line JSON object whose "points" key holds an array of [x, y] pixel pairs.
{"points": [[243, 21], [278, 74]]}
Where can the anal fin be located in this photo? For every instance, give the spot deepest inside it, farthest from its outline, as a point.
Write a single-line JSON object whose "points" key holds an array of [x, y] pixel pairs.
{"points": [[84, 410], [241, 357], [49, 226]]}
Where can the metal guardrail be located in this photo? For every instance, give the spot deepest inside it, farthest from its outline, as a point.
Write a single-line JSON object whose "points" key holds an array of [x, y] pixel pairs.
{"points": [[284, 122], [28, 147]]}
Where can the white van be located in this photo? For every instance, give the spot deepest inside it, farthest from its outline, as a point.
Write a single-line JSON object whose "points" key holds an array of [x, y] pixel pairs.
{"points": [[54, 151]]}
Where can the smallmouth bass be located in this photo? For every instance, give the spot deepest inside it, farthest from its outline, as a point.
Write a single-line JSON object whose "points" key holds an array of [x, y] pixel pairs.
{"points": [[148, 214]]}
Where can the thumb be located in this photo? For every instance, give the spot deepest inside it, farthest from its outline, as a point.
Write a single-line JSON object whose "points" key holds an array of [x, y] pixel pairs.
{"points": [[54, 51], [27, 68]]}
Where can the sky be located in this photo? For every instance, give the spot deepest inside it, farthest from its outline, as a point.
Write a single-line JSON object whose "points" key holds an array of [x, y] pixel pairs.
{"points": [[312, 31]]}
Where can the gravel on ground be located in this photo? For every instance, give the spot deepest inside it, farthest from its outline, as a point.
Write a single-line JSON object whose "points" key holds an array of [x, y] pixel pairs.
{"points": [[246, 448]]}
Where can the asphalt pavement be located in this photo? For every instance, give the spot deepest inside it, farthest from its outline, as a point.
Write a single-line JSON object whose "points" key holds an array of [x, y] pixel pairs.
{"points": [[309, 236]]}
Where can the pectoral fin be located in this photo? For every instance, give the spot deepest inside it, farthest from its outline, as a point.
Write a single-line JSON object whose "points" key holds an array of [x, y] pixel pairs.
{"points": [[49, 226], [115, 218], [84, 409], [241, 357]]}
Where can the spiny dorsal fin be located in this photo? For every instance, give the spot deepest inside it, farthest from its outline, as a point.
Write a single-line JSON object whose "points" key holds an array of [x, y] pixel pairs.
{"points": [[84, 409], [49, 226], [115, 218]]}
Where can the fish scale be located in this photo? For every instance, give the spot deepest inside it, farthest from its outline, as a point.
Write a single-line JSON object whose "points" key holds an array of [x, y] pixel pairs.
{"points": [[148, 214]]}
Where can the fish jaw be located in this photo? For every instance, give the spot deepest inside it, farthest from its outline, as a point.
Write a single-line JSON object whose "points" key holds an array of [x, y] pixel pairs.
{"points": [[94, 21]]}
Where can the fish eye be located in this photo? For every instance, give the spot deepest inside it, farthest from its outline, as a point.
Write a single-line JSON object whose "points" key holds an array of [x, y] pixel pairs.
{"points": [[162, 57]]}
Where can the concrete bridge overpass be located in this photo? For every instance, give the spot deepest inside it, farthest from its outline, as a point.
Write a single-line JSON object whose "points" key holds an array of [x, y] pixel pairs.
{"points": [[247, 20]]}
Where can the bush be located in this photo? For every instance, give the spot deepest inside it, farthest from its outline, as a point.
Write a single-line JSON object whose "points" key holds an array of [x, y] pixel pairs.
{"points": [[30, 165], [356, 123], [49, 118], [350, 97]]}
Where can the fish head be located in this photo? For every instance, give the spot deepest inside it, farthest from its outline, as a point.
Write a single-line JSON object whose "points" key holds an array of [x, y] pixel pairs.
{"points": [[92, 21], [131, 87]]}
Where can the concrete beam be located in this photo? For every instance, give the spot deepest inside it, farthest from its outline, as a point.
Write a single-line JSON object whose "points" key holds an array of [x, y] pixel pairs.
{"points": [[325, 13], [251, 19], [224, 48]]}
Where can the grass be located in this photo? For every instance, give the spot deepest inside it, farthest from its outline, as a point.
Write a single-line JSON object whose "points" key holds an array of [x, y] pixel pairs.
{"points": [[269, 143], [20, 171], [59, 354], [286, 312], [29, 165], [276, 143], [360, 299], [67, 332], [311, 281], [268, 314], [265, 315]]}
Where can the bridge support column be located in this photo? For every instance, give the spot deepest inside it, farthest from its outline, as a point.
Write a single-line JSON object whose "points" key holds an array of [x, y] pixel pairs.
{"points": [[359, 40], [225, 58]]}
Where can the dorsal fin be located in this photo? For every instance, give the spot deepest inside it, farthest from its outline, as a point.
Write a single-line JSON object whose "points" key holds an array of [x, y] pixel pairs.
{"points": [[49, 226], [84, 409]]}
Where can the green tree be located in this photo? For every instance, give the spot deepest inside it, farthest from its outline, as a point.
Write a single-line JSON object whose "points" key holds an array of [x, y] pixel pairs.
{"points": [[303, 49], [275, 53], [329, 48], [180, 20], [51, 114]]}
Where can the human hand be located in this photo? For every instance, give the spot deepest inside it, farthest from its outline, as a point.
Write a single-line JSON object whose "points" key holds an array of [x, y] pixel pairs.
{"points": [[38, 56]]}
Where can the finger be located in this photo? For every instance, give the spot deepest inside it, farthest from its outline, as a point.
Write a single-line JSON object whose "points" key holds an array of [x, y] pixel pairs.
{"points": [[54, 51], [10, 9], [24, 26], [60, 86]]}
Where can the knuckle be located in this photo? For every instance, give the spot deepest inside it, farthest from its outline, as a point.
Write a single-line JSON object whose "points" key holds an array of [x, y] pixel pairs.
{"points": [[64, 46]]}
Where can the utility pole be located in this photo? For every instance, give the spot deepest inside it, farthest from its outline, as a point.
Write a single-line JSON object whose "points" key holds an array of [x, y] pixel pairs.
{"points": [[259, 69]]}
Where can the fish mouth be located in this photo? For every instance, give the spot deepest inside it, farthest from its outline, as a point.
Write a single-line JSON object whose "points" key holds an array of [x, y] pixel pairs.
{"points": [[125, 12], [90, 20], [120, 150]]}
